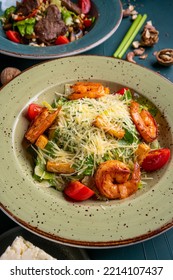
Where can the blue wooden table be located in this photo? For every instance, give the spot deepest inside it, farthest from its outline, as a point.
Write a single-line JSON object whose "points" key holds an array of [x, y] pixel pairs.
{"points": [[160, 13]]}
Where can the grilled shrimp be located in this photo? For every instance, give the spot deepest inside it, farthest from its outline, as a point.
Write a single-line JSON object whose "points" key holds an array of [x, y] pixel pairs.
{"points": [[42, 122], [109, 128], [144, 122], [112, 179], [87, 90], [131, 186]]}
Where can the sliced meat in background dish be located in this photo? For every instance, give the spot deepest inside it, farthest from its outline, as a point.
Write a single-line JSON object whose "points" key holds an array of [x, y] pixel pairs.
{"points": [[51, 26]]}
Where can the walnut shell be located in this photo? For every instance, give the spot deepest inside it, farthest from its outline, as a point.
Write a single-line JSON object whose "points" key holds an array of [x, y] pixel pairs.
{"points": [[150, 36], [165, 57], [8, 74]]}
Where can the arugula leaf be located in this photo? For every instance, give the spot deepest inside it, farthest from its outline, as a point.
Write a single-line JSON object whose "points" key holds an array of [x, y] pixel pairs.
{"points": [[153, 111], [5, 18], [128, 136], [9, 11], [89, 162]]}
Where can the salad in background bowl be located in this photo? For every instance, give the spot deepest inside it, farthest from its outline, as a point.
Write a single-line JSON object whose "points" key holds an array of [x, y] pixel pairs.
{"points": [[47, 22], [62, 27]]}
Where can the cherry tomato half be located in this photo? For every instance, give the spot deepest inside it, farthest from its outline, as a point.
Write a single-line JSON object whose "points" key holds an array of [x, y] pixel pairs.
{"points": [[156, 159], [33, 111], [78, 191], [13, 36], [60, 40], [85, 6]]}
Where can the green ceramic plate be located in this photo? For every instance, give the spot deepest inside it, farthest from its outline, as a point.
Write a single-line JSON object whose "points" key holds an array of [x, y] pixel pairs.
{"points": [[109, 16], [44, 211]]}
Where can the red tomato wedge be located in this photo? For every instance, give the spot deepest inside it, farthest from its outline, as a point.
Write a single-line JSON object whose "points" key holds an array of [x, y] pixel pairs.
{"points": [[78, 191], [87, 22], [61, 40], [85, 6], [33, 111], [156, 159], [13, 36], [121, 91], [32, 14]]}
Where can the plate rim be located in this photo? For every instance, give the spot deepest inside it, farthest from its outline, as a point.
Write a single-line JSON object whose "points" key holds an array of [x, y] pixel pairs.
{"points": [[88, 244]]}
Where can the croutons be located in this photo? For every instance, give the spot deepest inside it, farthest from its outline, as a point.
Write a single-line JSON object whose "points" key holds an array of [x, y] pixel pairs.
{"points": [[59, 167], [141, 152], [41, 142]]}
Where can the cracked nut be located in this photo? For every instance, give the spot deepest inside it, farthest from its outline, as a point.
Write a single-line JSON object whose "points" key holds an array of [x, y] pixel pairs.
{"points": [[139, 51], [150, 35], [128, 11], [165, 57], [130, 57]]}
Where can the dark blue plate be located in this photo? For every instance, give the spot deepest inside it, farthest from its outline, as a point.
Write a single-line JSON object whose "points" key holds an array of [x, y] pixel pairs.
{"points": [[109, 16]]}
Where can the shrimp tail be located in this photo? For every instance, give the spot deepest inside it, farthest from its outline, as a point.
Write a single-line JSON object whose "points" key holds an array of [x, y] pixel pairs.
{"points": [[131, 186]]}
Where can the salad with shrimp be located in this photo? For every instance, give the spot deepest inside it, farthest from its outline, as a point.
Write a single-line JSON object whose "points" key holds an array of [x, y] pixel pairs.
{"points": [[47, 22], [92, 142]]}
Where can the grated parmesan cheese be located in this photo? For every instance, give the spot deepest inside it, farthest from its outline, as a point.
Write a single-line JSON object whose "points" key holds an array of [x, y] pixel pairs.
{"points": [[76, 140]]}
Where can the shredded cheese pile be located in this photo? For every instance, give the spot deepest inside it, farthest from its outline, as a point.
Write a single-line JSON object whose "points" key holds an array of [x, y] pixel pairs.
{"points": [[77, 140]]}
